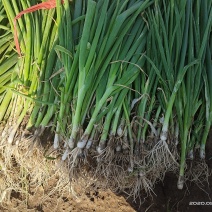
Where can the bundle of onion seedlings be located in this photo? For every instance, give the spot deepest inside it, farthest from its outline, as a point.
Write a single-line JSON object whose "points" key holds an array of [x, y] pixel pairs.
{"points": [[182, 32], [37, 36], [126, 83], [8, 59]]}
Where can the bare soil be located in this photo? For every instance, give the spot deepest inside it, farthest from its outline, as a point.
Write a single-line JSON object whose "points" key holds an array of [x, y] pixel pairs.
{"points": [[46, 197], [94, 201]]}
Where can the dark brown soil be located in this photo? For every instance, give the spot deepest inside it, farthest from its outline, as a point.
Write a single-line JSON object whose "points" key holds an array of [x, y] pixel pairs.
{"points": [[170, 199], [167, 197]]}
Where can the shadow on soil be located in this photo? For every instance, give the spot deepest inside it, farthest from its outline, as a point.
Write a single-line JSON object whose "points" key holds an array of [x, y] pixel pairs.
{"points": [[169, 199]]}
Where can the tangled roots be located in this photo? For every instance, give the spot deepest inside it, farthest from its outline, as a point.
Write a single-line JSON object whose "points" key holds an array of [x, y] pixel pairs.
{"points": [[26, 170]]}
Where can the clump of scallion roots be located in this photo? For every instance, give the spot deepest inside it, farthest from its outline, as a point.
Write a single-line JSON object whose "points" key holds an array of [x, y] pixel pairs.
{"points": [[124, 86]]}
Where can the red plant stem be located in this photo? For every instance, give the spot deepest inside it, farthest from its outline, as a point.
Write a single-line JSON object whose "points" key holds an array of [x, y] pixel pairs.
{"points": [[44, 5]]}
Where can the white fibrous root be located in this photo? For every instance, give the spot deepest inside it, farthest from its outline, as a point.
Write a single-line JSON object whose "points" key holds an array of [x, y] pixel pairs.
{"points": [[101, 146], [99, 150], [141, 173], [180, 182], [118, 148], [130, 169], [191, 154], [4, 131], [82, 143], [12, 135], [120, 131], [65, 155], [17, 142], [71, 142], [163, 135], [56, 141]]}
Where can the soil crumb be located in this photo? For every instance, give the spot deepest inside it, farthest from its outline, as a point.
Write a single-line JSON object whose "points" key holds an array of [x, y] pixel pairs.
{"points": [[94, 201], [36, 187]]}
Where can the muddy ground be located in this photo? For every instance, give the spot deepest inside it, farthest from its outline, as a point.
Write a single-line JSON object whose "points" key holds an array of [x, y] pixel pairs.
{"points": [[44, 198]]}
